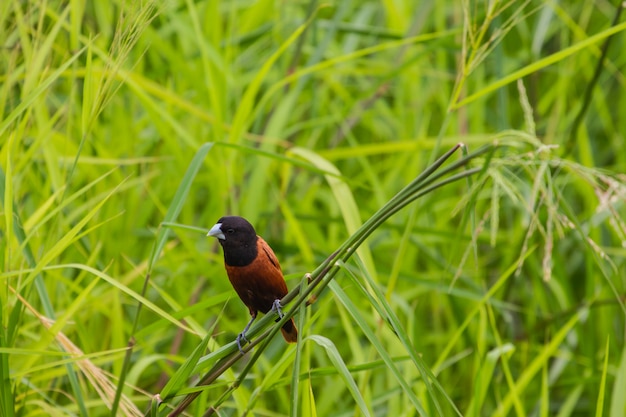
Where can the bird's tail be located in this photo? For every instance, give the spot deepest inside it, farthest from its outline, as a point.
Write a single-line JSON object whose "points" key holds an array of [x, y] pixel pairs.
{"points": [[290, 332]]}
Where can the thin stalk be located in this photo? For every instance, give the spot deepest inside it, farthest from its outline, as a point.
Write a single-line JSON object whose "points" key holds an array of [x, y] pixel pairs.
{"points": [[571, 142]]}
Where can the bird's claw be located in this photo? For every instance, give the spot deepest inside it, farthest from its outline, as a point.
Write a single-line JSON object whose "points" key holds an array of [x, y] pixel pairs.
{"points": [[277, 308], [240, 336]]}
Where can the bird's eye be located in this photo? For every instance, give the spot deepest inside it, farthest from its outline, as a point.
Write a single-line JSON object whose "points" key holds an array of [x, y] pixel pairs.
{"points": [[230, 231]]}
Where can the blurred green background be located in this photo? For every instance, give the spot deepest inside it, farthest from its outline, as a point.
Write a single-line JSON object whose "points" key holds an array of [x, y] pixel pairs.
{"points": [[511, 287]]}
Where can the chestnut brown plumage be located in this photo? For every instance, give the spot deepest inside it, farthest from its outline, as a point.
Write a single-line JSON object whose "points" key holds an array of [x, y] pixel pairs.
{"points": [[253, 271]]}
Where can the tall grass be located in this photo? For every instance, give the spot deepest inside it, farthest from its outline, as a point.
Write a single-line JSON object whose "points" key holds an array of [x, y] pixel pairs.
{"points": [[128, 128]]}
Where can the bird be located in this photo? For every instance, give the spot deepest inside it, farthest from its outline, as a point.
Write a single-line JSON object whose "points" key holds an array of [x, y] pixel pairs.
{"points": [[254, 272]]}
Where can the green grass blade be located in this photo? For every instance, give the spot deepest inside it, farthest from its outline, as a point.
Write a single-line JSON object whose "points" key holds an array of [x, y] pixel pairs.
{"points": [[360, 321], [568, 408], [62, 244], [379, 301], [171, 215], [42, 87], [537, 363], [344, 199], [342, 370], [186, 369], [178, 201], [504, 277], [602, 388], [35, 275], [7, 407], [618, 401], [541, 64], [485, 377], [246, 104]]}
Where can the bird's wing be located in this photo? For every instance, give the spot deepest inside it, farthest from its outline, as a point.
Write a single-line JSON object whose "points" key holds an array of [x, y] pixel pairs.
{"points": [[269, 253]]}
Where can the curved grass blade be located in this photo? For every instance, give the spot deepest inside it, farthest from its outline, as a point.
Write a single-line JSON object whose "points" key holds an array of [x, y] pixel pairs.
{"points": [[184, 372], [345, 200], [485, 376], [162, 235], [342, 370], [177, 202], [602, 389], [362, 323], [380, 303], [542, 357]]}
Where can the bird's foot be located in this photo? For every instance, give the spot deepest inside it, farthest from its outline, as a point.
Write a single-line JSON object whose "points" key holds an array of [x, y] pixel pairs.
{"points": [[241, 336], [277, 308]]}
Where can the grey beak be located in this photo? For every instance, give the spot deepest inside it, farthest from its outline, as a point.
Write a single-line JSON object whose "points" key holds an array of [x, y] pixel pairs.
{"points": [[216, 231]]}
